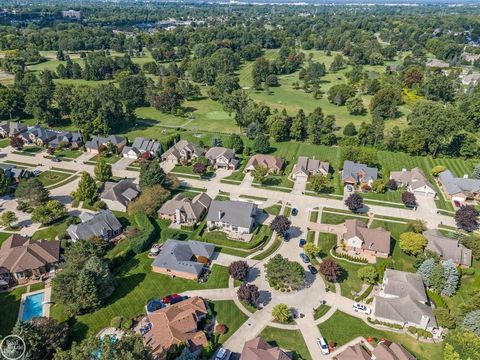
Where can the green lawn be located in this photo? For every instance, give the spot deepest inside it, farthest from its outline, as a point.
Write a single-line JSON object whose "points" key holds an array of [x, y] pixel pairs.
{"points": [[51, 232], [289, 340], [341, 328], [320, 311], [68, 153], [112, 159], [3, 237], [50, 177], [9, 310], [226, 312], [37, 286], [326, 242], [4, 143], [135, 285], [273, 210], [314, 216], [277, 242], [335, 219]]}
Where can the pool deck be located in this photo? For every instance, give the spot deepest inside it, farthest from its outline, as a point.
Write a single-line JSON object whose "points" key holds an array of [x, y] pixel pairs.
{"points": [[46, 302]]}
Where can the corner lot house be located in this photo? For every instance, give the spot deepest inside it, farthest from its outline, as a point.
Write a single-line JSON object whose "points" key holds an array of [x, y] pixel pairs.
{"points": [[182, 151], [306, 167], [117, 195], [402, 300], [259, 349], [94, 145], [222, 158], [355, 173], [182, 210], [448, 249], [141, 146], [364, 241], [458, 189], [237, 217], [23, 258], [184, 259], [175, 325], [272, 163], [73, 139], [415, 181], [11, 128], [103, 224]]}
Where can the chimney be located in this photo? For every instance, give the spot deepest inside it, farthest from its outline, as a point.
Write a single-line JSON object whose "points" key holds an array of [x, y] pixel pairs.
{"points": [[220, 214], [465, 176]]}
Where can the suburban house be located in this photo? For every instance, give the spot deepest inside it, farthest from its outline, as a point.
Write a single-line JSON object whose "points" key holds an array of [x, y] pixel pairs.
{"points": [[177, 324], [15, 174], [182, 151], [435, 63], [361, 240], [354, 352], [472, 78], [387, 350], [403, 300], [141, 146], [117, 195], [458, 189], [185, 259], [24, 258], [11, 128], [102, 224], [72, 139], [97, 142], [222, 158], [259, 349], [355, 173], [306, 167], [237, 217], [39, 135], [415, 181], [182, 210], [448, 248], [274, 164]]}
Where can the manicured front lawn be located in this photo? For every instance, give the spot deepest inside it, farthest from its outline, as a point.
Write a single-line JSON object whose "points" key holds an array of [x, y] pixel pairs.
{"points": [[226, 312], [320, 311], [261, 234], [49, 177], [314, 216], [112, 159], [9, 310], [135, 285], [3, 237], [326, 242], [341, 328], [68, 153], [273, 210], [51, 232], [289, 340], [335, 219]]}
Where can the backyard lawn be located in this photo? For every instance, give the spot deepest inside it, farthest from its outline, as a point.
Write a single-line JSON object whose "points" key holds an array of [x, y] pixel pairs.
{"points": [[50, 177], [9, 310], [289, 340], [226, 312], [341, 328]]}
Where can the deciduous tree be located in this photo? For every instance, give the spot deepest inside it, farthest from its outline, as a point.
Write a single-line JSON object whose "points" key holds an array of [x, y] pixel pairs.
{"points": [[354, 202], [238, 270], [32, 192], [281, 313], [87, 189], [102, 170], [467, 218], [249, 293], [368, 274], [412, 243], [330, 270], [280, 224]]}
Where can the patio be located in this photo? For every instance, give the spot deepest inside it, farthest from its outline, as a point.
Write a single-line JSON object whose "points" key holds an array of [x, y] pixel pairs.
{"points": [[356, 253]]}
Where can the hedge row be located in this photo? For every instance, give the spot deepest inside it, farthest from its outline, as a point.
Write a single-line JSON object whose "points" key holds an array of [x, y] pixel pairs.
{"points": [[142, 241], [420, 332], [348, 257], [437, 299], [390, 325]]}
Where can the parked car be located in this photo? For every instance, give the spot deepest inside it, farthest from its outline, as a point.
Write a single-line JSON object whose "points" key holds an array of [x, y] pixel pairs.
{"points": [[361, 308], [294, 212], [56, 159], [222, 354], [323, 346], [36, 172], [313, 270], [167, 299], [178, 299], [302, 242], [304, 258]]}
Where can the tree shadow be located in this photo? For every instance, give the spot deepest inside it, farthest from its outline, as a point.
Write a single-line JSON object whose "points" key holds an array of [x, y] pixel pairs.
{"points": [[265, 297], [253, 274]]}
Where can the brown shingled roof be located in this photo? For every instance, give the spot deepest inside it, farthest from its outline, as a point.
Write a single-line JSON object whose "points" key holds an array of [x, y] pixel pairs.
{"points": [[259, 349], [269, 161], [373, 239]]}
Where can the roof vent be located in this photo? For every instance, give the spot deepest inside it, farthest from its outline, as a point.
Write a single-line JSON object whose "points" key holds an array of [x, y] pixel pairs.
{"points": [[465, 176]]}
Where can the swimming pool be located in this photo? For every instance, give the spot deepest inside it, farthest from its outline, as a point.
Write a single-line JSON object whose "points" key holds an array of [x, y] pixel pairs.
{"points": [[33, 306]]}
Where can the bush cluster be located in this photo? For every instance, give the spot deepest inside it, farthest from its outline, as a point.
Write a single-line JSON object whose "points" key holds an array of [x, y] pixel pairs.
{"points": [[420, 332], [349, 257], [390, 325], [141, 241]]}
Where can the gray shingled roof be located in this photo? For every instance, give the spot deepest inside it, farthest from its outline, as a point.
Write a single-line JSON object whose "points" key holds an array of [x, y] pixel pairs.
{"points": [[401, 283], [124, 191], [98, 140], [235, 213], [192, 208], [181, 255], [12, 127], [41, 133], [415, 178], [94, 225], [217, 151], [67, 136], [144, 145], [307, 166], [454, 185], [351, 169], [448, 248], [183, 144]]}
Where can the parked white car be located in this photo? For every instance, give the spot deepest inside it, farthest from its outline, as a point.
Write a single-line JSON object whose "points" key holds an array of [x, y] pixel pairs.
{"points": [[361, 308], [323, 346]]}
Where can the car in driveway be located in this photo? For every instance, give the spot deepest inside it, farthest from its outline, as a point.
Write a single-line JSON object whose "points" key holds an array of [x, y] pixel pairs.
{"points": [[361, 308], [304, 258], [222, 354], [313, 270], [302, 242], [168, 299], [322, 344], [294, 212]]}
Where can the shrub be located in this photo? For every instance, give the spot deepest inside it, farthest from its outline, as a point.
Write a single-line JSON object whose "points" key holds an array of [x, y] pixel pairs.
{"points": [[437, 299], [221, 329], [387, 324], [127, 324], [100, 204], [141, 242], [116, 322]]}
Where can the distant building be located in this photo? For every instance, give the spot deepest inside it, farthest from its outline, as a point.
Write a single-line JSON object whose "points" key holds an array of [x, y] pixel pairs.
{"points": [[222, 158], [117, 195], [72, 14], [141, 146], [182, 151], [415, 181], [182, 210], [472, 78], [306, 167], [448, 248], [438, 64], [356, 173], [97, 142], [259, 349], [232, 216], [403, 300], [102, 224], [11, 128], [185, 259], [274, 164], [72, 139], [363, 240]]}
